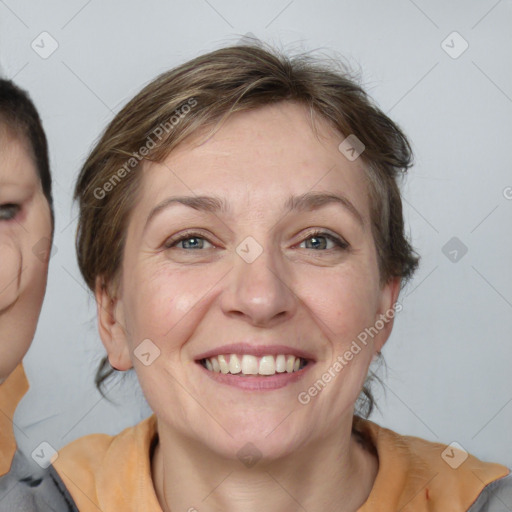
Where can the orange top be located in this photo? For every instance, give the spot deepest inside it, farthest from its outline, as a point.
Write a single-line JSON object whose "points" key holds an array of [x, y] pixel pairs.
{"points": [[113, 473], [11, 392], [422, 476]]}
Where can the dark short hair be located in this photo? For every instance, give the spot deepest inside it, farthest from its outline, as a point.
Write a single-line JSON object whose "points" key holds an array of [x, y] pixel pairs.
{"points": [[19, 114]]}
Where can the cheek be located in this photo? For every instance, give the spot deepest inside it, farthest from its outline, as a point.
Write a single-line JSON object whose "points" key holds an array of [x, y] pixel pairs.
{"points": [[10, 273], [24, 254], [344, 306], [158, 299], [37, 247], [344, 300]]}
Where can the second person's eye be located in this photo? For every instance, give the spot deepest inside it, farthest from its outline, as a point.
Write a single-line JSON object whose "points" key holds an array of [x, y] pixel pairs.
{"points": [[8, 211]]}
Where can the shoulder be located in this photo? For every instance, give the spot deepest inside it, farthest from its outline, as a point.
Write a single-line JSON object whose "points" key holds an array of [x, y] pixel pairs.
{"points": [[427, 475], [69, 484], [495, 497], [93, 466], [11, 392], [79, 463], [85, 453], [89, 453]]}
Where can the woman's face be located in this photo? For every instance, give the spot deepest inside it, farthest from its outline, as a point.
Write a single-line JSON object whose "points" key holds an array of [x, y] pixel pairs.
{"points": [[254, 275], [25, 232]]}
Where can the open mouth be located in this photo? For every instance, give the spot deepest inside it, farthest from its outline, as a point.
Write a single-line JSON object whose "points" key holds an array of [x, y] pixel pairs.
{"points": [[247, 365]]}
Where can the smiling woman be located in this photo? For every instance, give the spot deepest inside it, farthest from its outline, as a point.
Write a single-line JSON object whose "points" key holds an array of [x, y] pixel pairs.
{"points": [[236, 268]]}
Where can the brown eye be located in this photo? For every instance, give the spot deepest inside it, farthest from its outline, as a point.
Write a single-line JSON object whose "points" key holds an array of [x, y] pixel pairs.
{"points": [[9, 211]]}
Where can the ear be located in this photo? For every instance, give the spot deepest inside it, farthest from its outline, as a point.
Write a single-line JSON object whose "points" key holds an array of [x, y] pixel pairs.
{"points": [[111, 327], [387, 311]]}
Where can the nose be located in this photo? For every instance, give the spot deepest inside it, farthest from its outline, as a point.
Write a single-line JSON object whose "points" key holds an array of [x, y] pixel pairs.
{"points": [[258, 292]]}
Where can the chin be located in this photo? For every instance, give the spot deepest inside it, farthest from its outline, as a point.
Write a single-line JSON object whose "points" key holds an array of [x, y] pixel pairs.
{"points": [[267, 438]]}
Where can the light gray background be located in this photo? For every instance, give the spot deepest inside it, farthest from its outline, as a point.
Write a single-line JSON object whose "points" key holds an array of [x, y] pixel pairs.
{"points": [[449, 357]]}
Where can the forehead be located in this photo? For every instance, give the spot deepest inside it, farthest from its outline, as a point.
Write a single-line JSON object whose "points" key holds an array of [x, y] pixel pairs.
{"points": [[16, 164], [260, 156]]}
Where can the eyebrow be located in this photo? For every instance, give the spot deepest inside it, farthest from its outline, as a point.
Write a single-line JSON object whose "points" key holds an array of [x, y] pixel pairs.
{"points": [[308, 201]]}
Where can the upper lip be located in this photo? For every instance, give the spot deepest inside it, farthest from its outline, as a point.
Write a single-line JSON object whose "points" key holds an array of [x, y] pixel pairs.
{"points": [[255, 350]]}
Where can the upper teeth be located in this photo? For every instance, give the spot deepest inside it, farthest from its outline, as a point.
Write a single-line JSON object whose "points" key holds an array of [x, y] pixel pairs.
{"points": [[252, 365]]}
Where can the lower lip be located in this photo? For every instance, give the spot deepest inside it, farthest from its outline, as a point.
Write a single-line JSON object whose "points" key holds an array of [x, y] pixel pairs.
{"points": [[257, 383]]}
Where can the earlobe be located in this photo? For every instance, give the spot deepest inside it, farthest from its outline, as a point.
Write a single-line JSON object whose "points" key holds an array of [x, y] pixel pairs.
{"points": [[111, 327]]}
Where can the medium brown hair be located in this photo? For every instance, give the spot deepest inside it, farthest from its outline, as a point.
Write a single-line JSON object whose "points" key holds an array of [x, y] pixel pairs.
{"points": [[202, 93]]}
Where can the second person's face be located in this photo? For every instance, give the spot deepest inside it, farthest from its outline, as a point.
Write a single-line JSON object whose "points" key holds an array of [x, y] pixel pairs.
{"points": [[25, 233]]}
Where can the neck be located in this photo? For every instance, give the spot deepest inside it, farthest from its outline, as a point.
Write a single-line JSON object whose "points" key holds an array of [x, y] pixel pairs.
{"points": [[335, 473]]}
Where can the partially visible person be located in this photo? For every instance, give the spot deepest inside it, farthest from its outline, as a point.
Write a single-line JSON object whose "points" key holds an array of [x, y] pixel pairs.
{"points": [[26, 226], [26, 233]]}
